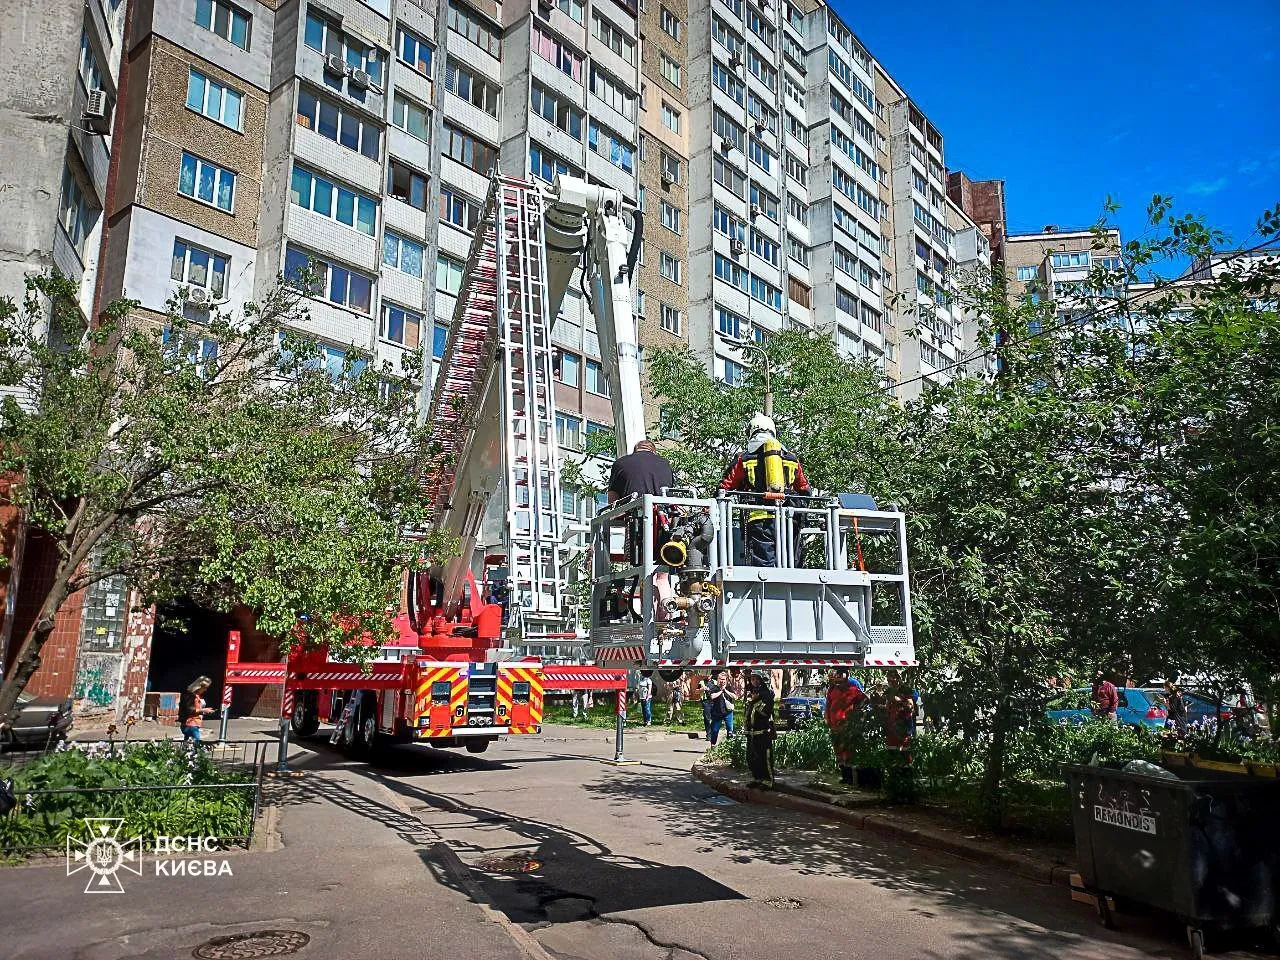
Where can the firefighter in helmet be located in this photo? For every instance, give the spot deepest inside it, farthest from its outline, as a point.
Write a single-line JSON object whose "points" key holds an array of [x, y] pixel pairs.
{"points": [[767, 468]]}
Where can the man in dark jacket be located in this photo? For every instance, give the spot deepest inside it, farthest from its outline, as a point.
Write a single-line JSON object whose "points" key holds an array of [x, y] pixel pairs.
{"points": [[642, 471], [747, 473], [760, 731]]}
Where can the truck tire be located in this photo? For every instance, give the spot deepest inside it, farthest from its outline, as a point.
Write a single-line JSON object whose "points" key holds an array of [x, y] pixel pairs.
{"points": [[366, 739], [478, 746], [306, 717]]}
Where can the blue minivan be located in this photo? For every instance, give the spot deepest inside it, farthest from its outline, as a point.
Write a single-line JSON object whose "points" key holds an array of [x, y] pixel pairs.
{"points": [[1138, 708]]}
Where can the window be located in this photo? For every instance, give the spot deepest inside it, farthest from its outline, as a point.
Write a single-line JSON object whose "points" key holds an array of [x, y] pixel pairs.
{"points": [[611, 146], [671, 117], [669, 266], [761, 27], [761, 155], [554, 51], [596, 382], [798, 292], [402, 253], [463, 21], [321, 195], [735, 374], [763, 247], [669, 69], [568, 431], [612, 37], [931, 355], [207, 182], [729, 176], [90, 75], [340, 125], [407, 185], [76, 212], [766, 201], [439, 340], [641, 200], [846, 302], [198, 267], [870, 317], [797, 170], [730, 272], [413, 50], [1079, 258], [728, 81], [797, 251], [467, 150], [846, 341], [763, 71], [670, 23], [796, 208], [569, 502], [725, 35], [570, 372], [726, 223], [545, 164], [465, 85], [671, 319], [328, 38], [670, 217], [611, 93], [670, 167], [227, 21], [411, 117], [556, 111], [728, 132], [572, 8], [762, 114], [448, 275], [338, 285], [640, 304], [846, 262], [400, 325], [730, 324], [766, 293], [215, 101]]}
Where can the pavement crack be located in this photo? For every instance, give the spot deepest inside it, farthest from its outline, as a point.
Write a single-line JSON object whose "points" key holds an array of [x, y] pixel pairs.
{"points": [[645, 932]]}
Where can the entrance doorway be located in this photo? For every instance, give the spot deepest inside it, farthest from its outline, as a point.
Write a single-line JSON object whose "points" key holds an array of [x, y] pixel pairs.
{"points": [[190, 641]]}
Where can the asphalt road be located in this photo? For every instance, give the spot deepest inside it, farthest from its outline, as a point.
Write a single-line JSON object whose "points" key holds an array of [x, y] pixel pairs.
{"points": [[624, 863]]}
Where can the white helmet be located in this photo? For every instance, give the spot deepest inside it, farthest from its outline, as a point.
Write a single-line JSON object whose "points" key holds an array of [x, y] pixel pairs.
{"points": [[761, 424]]}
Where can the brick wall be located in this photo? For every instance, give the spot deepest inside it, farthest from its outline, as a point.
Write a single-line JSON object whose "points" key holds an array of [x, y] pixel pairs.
{"points": [[56, 676]]}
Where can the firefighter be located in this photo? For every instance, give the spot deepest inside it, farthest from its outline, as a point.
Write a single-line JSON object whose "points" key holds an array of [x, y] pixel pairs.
{"points": [[760, 731], [767, 468], [845, 701]]}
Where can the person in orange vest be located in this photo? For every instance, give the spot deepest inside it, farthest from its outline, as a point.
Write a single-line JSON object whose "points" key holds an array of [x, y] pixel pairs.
{"points": [[845, 697]]}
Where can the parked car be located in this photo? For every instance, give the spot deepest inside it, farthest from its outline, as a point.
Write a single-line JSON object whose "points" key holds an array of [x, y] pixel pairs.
{"points": [[1199, 707], [804, 704], [40, 720], [1138, 708]]}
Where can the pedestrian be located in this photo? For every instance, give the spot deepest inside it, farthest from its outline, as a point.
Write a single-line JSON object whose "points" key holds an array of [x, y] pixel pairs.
{"points": [[760, 732], [720, 703], [747, 473], [579, 700], [1105, 697], [191, 709], [900, 712], [844, 700], [645, 691], [676, 694], [1175, 708]]}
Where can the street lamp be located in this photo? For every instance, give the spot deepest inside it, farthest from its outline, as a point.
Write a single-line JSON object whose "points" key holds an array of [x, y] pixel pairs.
{"points": [[764, 365]]}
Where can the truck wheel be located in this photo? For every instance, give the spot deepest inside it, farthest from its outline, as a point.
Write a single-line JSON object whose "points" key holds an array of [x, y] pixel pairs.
{"points": [[366, 734], [480, 746], [306, 718]]}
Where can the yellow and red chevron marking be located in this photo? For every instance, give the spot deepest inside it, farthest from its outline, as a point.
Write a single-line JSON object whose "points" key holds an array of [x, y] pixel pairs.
{"points": [[432, 673], [507, 675]]}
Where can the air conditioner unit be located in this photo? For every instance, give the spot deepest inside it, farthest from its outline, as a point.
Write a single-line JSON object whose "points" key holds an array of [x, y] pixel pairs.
{"points": [[667, 179], [759, 126], [360, 80], [336, 65], [198, 296], [544, 8], [726, 145], [735, 60], [737, 247], [755, 210], [97, 111]]}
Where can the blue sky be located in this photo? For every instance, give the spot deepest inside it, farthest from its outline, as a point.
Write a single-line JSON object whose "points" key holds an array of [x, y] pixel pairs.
{"points": [[1070, 102]]}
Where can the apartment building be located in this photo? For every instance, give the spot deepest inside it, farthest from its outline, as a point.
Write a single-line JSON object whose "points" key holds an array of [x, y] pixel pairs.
{"points": [[983, 202], [59, 83], [1055, 263]]}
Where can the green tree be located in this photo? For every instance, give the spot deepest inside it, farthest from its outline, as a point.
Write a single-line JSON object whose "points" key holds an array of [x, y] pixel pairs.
{"points": [[223, 460]]}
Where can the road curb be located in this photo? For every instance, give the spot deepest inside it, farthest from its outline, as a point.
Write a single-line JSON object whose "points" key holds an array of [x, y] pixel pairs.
{"points": [[785, 797]]}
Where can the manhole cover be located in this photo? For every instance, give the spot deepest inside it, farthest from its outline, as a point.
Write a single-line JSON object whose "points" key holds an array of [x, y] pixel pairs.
{"points": [[246, 946], [783, 903], [507, 864]]}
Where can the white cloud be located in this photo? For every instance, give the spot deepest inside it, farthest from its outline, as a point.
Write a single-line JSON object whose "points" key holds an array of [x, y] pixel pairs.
{"points": [[1206, 188]]}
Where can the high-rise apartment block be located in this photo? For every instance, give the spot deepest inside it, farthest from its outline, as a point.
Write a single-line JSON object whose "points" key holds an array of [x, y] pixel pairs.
{"points": [[1055, 264]]}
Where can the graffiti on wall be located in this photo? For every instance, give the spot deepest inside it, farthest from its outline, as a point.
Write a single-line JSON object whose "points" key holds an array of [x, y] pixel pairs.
{"points": [[97, 683]]}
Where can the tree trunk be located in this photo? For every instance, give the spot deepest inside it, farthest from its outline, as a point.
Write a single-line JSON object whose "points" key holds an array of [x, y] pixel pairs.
{"points": [[27, 661], [992, 790]]}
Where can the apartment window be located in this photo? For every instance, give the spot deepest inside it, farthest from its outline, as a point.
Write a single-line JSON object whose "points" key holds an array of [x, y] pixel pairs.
{"points": [[670, 167], [796, 207], [762, 114], [728, 81], [671, 319], [766, 293], [763, 72], [766, 201], [197, 267], [793, 89], [545, 165], [342, 126], [670, 23], [402, 253], [931, 355], [338, 285], [570, 370], [611, 146], [407, 185], [735, 374], [448, 275], [596, 382], [761, 27], [729, 132], [75, 211], [411, 117], [846, 341], [465, 85], [846, 302], [870, 317], [764, 248], [670, 217], [760, 155], [214, 100], [611, 93], [1079, 258], [400, 325], [90, 75], [725, 35], [328, 38], [467, 150], [612, 37], [797, 129], [568, 431], [669, 69], [722, 221], [414, 51], [640, 304], [321, 195], [226, 20], [671, 117], [846, 262], [550, 48], [730, 272], [798, 292], [792, 50], [797, 251], [669, 266], [465, 22], [439, 340], [569, 502], [729, 177], [556, 111], [730, 324], [207, 182], [572, 8], [797, 170]]}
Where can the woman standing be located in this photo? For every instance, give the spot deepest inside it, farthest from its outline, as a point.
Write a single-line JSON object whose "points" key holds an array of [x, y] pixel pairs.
{"points": [[1176, 708], [760, 732], [191, 709]]}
